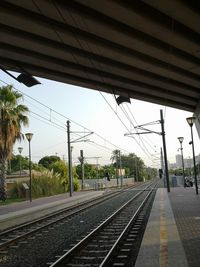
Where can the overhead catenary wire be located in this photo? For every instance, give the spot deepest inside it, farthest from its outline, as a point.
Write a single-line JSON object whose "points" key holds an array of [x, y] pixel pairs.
{"points": [[124, 125], [46, 122], [145, 150], [62, 127], [60, 13], [152, 145], [128, 117], [131, 122]]}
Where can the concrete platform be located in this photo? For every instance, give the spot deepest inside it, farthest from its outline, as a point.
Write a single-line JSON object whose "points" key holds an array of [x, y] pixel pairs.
{"points": [[18, 213], [172, 236]]}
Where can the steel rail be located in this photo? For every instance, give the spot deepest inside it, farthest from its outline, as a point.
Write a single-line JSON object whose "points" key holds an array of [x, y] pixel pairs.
{"points": [[70, 212], [106, 259], [82, 242], [57, 213]]}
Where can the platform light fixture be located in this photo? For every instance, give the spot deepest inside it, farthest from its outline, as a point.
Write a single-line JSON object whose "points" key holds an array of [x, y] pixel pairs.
{"points": [[29, 137], [24, 78], [181, 148], [191, 121], [120, 99], [20, 152]]}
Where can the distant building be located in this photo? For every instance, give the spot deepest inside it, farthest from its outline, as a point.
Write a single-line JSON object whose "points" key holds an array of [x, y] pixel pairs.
{"points": [[197, 159], [188, 163], [178, 161], [172, 165]]}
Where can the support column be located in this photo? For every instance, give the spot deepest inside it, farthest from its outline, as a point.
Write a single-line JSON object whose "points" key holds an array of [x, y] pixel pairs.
{"points": [[164, 149]]}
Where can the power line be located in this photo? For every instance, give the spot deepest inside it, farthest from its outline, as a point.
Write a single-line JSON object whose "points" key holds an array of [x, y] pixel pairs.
{"points": [[142, 139], [102, 78], [137, 125], [124, 124], [56, 125]]}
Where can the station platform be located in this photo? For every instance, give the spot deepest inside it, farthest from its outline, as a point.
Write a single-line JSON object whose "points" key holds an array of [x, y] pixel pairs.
{"points": [[172, 235], [19, 213]]}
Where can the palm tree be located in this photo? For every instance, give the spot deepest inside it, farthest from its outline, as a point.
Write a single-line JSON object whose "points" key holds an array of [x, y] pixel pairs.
{"points": [[12, 117], [115, 156]]}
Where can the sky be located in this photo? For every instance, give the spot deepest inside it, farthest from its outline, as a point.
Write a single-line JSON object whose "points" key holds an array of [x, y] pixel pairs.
{"points": [[52, 103]]}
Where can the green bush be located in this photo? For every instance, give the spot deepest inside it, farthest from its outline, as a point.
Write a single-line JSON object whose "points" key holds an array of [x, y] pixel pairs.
{"points": [[76, 185], [17, 191], [46, 183], [59, 167]]}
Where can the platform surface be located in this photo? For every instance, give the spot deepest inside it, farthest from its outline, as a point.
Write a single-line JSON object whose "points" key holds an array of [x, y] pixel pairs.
{"points": [[18, 213], [172, 235]]}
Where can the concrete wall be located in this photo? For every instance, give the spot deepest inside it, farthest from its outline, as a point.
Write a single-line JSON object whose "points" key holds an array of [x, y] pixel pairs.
{"points": [[103, 183]]}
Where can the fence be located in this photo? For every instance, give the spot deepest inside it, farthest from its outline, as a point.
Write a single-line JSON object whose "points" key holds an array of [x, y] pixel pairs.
{"points": [[99, 184]]}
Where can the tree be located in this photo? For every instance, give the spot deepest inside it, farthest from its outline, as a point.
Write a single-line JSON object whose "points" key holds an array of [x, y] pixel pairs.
{"points": [[89, 169], [135, 165], [48, 160], [115, 156], [107, 170], [59, 167], [12, 117], [18, 160]]}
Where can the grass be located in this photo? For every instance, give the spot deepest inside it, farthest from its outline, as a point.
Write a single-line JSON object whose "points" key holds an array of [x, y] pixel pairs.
{"points": [[11, 201]]}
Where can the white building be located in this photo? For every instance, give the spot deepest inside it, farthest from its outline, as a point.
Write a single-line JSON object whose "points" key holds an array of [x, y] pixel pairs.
{"points": [[178, 161], [188, 163]]}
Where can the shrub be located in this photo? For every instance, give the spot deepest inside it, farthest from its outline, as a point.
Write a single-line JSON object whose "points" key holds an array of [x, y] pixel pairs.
{"points": [[46, 183], [76, 185], [17, 191], [59, 167]]}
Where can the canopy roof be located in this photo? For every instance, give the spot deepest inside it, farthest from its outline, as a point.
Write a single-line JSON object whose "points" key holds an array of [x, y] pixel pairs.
{"points": [[143, 49]]}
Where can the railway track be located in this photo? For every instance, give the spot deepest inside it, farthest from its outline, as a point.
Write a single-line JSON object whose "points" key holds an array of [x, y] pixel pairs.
{"points": [[21, 232], [46, 242], [18, 233], [115, 242]]}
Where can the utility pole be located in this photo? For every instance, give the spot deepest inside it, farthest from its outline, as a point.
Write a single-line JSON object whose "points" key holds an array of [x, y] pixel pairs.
{"points": [[117, 170], [69, 160], [82, 169], [161, 159], [136, 170], [162, 166], [120, 166], [79, 139], [147, 131]]}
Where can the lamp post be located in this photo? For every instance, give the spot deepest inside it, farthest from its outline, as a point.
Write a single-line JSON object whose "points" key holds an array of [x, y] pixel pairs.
{"points": [[181, 141], [20, 152], [190, 121], [29, 137]]}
